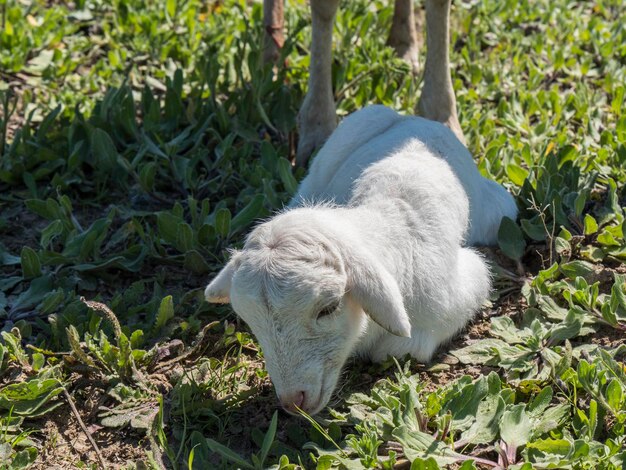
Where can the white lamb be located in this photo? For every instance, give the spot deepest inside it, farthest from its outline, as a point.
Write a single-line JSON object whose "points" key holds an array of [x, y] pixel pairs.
{"points": [[369, 257], [380, 271]]}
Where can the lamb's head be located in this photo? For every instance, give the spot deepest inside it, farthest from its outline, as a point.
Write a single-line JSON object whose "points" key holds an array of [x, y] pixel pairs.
{"points": [[303, 292]]}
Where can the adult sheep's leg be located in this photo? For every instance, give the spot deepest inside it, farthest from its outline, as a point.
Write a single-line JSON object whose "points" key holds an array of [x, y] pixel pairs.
{"points": [[438, 102], [403, 33], [317, 118], [273, 20]]}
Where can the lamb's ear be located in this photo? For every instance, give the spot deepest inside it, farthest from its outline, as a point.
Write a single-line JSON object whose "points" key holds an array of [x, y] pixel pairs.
{"points": [[218, 290], [377, 292]]}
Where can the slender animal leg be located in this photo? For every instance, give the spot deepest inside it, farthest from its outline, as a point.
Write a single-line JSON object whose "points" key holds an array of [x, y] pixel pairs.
{"points": [[273, 20], [438, 102], [317, 118], [403, 33]]}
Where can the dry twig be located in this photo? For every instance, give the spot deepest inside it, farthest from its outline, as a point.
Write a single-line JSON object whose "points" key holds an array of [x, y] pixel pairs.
{"points": [[84, 428]]}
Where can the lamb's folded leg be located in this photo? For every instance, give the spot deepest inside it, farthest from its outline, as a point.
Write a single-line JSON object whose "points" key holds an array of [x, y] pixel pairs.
{"points": [[317, 118], [438, 102], [403, 33], [448, 314], [273, 20]]}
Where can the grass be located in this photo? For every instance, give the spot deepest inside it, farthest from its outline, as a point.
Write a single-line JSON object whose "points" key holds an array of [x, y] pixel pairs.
{"points": [[139, 140]]}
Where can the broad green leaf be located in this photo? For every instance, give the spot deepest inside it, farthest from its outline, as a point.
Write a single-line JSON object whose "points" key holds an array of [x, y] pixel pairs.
{"points": [[184, 237], [580, 201], [576, 268], [615, 395], [593, 253], [565, 234], [425, 464], [87, 244], [617, 103], [51, 232], [593, 418], [196, 263], [504, 328], [607, 239], [551, 418], [147, 176], [29, 398], [165, 312], [31, 266], [418, 444], [516, 174], [13, 346], [551, 446], [515, 426], [568, 329], [286, 176], [535, 231], [486, 426], [485, 351], [329, 457], [39, 360], [167, 224], [547, 274], [170, 7], [245, 216], [104, 150], [132, 261], [206, 235], [463, 406], [24, 458], [562, 246], [136, 338], [138, 414], [222, 222], [541, 401], [551, 309], [40, 62], [617, 301], [468, 465], [510, 239], [269, 156], [617, 368], [37, 290], [591, 226]]}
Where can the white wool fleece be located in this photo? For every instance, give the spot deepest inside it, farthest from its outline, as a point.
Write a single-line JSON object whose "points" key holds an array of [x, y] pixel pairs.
{"points": [[380, 272], [375, 132]]}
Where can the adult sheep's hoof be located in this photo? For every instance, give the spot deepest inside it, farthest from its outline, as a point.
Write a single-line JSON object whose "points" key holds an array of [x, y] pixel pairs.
{"points": [[309, 142], [316, 122]]}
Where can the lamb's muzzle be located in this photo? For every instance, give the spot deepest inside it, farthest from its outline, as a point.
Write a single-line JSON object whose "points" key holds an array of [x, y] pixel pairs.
{"points": [[294, 401]]}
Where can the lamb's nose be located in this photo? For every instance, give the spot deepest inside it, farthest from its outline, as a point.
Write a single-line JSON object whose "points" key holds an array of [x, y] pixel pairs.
{"points": [[292, 401]]}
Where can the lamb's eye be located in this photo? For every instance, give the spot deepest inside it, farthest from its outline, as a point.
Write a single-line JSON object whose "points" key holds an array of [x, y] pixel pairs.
{"points": [[326, 311]]}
